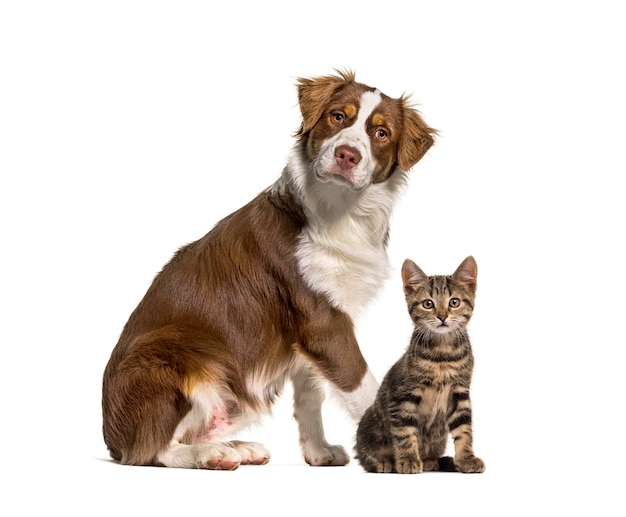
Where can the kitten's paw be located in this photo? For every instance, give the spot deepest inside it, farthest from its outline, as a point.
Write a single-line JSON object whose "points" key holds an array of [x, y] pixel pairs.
{"points": [[431, 465], [470, 465], [323, 455], [409, 466], [251, 453], [383, 467]]}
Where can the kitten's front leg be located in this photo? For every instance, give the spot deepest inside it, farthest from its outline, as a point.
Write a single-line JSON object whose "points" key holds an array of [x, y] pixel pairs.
{"points": [[406, 451], [460, 425]]}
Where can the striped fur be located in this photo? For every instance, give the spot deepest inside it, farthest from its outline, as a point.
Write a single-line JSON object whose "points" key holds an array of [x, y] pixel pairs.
{"points": [[425, 396]]}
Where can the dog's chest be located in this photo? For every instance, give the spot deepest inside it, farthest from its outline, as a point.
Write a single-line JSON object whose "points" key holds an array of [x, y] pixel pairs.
{"points": [[344, 262]]}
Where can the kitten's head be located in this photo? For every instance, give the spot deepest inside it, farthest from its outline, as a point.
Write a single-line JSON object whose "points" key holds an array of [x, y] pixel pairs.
{"points": [[439, 303]]}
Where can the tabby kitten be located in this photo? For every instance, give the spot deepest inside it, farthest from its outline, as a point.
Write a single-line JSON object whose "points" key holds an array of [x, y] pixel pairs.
{"points": [[424, 397]]}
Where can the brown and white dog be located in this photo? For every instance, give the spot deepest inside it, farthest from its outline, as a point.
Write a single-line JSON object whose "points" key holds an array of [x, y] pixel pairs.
{"points": [[269, 295]]}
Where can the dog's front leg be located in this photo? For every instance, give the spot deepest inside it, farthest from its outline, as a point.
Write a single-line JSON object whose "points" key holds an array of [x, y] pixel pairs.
{"points": [[308, 395], [358, 400]]}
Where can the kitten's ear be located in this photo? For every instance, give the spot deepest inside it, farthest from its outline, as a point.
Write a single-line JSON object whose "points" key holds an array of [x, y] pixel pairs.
{"points": [[466, 273], [412, 276]]}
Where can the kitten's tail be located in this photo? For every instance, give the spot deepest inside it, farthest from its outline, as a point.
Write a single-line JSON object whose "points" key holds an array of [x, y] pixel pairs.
{"points": [[446, 464]]}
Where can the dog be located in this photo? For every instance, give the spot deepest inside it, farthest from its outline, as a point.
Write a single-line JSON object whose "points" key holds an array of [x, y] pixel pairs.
{"points": [[269, 295]]}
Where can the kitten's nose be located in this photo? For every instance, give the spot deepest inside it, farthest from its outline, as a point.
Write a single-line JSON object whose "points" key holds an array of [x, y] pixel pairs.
{"points": [[442, 318]]}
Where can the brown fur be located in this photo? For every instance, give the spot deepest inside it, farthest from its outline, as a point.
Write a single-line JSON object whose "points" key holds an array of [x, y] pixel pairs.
{"points": [[233, 307], [175, 334]]}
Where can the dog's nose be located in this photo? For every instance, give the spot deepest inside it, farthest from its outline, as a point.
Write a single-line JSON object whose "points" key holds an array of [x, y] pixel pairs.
{"points": [[347, 157]]}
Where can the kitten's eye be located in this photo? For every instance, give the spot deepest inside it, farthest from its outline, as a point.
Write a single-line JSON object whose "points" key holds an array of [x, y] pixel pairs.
{"points": [[338, 118], [455, 302], [428, 304]]}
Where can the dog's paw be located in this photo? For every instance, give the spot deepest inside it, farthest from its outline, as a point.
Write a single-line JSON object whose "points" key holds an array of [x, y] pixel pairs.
{"points": [[324, 455], [217, 456], [251, 453]]}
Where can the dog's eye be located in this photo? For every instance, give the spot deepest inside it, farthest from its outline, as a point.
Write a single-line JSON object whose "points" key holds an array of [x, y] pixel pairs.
{"points": [[381, 134], [338, 118]]}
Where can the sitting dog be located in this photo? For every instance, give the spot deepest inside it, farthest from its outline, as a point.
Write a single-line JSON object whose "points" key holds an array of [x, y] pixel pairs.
{"points": [[269, 295]]}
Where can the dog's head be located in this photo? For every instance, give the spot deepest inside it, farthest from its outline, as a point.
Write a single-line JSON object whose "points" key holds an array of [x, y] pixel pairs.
{"points": [[355, 135]]}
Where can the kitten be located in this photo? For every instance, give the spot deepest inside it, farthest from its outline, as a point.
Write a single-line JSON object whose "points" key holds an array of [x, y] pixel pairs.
{"points": [[424, 397]]}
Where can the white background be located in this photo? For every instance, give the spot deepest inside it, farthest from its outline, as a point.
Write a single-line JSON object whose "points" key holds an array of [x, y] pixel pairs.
{"points": [[128, 129]]}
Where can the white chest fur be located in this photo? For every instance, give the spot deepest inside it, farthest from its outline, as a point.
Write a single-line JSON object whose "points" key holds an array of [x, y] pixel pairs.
{"points": [[341, 251], [342, 262]]}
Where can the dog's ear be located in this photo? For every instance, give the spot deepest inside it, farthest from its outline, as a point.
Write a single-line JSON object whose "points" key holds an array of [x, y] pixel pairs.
{"points": [[314, 95], [416, 138]]}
